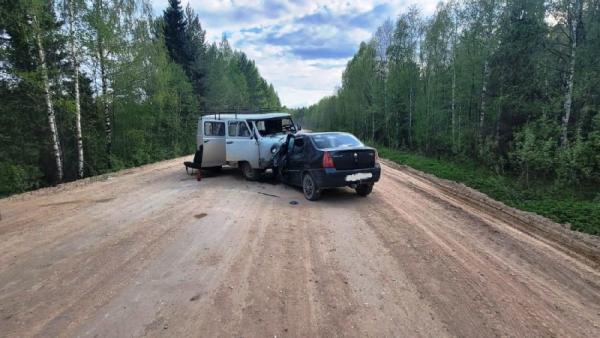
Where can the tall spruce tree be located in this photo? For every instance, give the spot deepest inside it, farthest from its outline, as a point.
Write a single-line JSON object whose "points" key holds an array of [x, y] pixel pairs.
{"points": [[175, 33]]}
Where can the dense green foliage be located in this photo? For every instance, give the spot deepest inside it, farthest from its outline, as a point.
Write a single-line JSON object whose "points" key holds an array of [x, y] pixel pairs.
{"points": [[514, 86], [568, 205], [485, 79], [143, 82]]}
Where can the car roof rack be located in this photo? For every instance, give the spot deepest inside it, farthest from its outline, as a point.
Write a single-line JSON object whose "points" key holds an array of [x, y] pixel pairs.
{"points": [[238, 110]]}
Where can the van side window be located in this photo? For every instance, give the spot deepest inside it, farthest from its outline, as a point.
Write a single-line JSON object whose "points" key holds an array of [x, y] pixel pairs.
{"points": [[243, 130], [233, 128], [214, 128]]}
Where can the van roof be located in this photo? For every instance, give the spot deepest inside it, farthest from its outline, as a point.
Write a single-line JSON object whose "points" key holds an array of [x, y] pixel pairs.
{"points": [[242, 116]]}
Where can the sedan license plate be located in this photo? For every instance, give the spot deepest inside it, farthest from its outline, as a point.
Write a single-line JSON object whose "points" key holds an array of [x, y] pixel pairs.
{"points": [[358, 177]]}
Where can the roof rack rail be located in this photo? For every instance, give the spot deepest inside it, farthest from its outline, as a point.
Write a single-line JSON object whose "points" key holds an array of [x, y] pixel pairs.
{"points": [[238, 110]]}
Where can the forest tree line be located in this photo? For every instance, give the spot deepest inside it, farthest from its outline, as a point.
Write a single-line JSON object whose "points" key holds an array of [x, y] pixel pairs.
{"points": [[92, 86], [513, 85]]}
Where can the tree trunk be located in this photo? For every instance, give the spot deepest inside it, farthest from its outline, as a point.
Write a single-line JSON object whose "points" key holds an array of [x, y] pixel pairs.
{"points": [[49, 107], [486, 69], [410, 95], [398, 136], [453, 101], [486, 74], [576, 12], [79, 137], [459, 137], [373, 126], [105, 104], [102, 54], [453, 118]]}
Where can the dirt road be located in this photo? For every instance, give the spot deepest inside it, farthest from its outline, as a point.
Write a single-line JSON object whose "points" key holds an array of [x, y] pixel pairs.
{"points": [[151, 251]]}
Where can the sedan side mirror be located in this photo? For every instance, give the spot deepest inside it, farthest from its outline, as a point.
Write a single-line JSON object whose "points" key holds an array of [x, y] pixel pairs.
{"points": [[298, 127]]}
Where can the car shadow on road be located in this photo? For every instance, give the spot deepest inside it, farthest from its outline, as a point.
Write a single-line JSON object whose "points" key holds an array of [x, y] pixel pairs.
{"points": [[335, 196], [340, 195]]}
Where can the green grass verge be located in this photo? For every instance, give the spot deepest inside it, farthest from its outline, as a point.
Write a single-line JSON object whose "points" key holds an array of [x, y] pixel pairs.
{"points": [[563, 205]]}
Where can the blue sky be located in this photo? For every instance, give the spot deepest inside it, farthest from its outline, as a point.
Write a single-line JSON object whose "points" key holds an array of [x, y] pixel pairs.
{"points": [[299, 46]]}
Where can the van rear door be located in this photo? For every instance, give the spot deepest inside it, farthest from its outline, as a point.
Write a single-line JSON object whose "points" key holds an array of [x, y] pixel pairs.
{"points": [[213, 132]]}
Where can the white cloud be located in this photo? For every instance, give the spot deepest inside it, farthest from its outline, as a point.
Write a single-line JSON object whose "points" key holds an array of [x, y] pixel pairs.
{"points": [[301, 47]]}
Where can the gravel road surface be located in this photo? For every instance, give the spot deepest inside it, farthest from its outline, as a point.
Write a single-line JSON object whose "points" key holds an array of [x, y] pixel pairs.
{"points": [[152, 252]]}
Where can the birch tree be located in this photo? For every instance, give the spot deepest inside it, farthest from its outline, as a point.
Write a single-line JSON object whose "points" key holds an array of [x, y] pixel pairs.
{"points": [[382, 41], [453, 8], [72, 11], [37, 30], [499, 82], [102, 24], [111, 22], [490, 21], [574, 11]]}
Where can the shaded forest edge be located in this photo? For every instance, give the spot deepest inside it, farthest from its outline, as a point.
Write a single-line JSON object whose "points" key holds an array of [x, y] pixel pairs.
{"points": [[94, 86], [503, 96]]}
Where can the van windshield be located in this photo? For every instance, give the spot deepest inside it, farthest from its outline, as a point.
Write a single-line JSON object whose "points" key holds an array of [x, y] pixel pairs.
{"points": [[275, 126], [325, 141]]}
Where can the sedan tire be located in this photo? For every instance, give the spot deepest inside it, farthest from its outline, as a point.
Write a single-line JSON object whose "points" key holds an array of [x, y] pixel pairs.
{"points": [[364, 189], [311, 190]]}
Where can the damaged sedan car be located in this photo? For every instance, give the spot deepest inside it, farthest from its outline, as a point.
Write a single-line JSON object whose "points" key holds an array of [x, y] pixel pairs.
{"points": [[318, 161]]}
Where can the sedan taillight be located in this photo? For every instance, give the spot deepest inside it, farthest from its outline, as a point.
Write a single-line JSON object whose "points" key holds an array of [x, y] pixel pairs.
{"points": [[327, 160]]}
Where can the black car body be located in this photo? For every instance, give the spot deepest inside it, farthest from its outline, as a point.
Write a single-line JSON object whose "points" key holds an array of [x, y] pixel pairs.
{"points": [[317, 161]]}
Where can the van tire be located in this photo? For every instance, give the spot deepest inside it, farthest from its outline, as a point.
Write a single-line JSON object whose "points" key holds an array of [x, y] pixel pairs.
{"points": [[249, 173], [311, 190]]}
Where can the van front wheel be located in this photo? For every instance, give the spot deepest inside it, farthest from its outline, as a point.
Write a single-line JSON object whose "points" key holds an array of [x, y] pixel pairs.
{"points": [[249, 173]]}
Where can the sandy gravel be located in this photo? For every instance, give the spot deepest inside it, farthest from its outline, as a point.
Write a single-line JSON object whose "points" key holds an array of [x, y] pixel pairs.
{"points": [[152, 252]]}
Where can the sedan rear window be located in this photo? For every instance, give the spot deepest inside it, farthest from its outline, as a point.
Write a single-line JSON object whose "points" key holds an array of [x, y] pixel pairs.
{"points": [[324, 141]]}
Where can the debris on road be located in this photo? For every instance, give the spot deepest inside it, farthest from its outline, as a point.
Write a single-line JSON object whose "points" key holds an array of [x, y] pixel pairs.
{"points": [[266, 194]]}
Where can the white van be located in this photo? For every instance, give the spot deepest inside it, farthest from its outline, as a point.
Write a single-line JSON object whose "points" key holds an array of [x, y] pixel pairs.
{"points": [[247, 141]]}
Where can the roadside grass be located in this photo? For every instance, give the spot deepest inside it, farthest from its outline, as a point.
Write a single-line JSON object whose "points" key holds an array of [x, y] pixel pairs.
{"points": [[580, 208]]}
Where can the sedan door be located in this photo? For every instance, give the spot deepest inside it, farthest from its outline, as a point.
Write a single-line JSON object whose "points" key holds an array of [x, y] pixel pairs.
{"points": [[213, 143], [296, 161]]}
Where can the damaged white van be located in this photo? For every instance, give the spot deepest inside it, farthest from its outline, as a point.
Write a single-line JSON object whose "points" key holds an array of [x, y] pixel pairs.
{"points": [[247, 141]]}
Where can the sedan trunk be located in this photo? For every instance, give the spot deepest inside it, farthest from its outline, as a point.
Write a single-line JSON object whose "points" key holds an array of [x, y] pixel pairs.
{"points": [[349, 159]]}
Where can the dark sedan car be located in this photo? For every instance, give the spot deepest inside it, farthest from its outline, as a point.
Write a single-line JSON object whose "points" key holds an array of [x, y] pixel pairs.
{"points": [[317, 161]]}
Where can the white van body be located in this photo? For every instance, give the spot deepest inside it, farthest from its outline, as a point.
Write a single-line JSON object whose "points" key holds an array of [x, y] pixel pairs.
{"points": [[232, 139]]}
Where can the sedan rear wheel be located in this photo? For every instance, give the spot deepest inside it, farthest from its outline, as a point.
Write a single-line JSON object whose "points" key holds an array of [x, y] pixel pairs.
{"points": [[364, 189], [310, 188]]}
